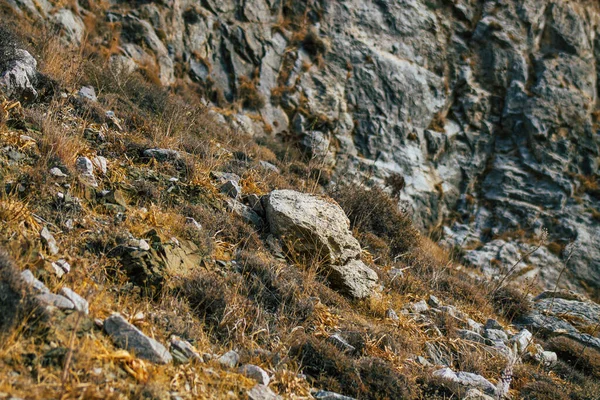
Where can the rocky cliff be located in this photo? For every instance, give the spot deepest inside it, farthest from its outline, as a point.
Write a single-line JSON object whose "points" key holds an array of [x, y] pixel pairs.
{"points": [[486, 111]]}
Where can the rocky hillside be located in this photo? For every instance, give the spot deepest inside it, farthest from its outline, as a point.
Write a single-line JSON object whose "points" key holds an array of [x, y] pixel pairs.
{"points": [[485, 112], [235, 199]]}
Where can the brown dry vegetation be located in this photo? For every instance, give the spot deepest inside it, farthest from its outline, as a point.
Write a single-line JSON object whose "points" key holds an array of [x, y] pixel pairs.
{"points": [[239, 296]]}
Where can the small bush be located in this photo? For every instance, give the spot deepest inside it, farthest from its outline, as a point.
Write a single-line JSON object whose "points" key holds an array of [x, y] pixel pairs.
{"points": [[510, 302], [314, 44], [373, 211], [543, 390], [248, 93], [578, 356]]}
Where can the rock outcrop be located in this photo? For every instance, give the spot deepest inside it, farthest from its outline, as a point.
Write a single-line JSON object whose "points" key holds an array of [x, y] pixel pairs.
{"points": [[317, 228]]}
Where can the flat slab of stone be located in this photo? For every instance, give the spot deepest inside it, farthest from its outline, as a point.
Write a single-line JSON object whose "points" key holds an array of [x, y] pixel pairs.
{"points": [[132, 339], [55, 300]]}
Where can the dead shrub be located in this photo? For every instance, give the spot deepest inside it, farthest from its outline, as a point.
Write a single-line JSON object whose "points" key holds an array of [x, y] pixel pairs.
{"points": [[313, 43], [577, 355], [373, 211], [543, 390], [510, 302], [248, 93]]}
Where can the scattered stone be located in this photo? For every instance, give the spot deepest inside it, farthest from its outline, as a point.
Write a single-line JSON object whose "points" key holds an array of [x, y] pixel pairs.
{"points": [[88, 93], [474, 394], [338, 341], [101, 164], [230, 359], [262, 392], [269, 167], [495, 334], [434, 302], [474, 326], [162, 154], [57, 172], [472, 336], [183, 351], [256, 373], [314, 225], [48, 241], [419, 307], [467, 379], [355, 279], [79, 302], [522, 340], [61, 267], [55, 300], [131, 338], [326, 395], [85, 167], [391, 314], [32, 281], [141, 244], [232, 189], [493, 324], [245, 212]]}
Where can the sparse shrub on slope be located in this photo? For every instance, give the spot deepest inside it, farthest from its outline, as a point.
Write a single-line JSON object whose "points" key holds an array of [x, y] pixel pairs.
{"points": [[577, 355], [7, 47], [373, 211], [15, 305], [510, 302]]}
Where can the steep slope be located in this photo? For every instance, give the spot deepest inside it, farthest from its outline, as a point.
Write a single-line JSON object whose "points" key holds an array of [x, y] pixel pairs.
{"points": [[160, 246], [487, 110]]}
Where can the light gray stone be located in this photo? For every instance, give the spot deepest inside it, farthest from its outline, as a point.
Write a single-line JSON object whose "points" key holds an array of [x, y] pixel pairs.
{"points": [[55, 300], [20, 76], [522, 340], [230, 359], [32, 281], [79, 302], [49, 241], [255, 372], [262, 392], [131, 338], [466, 379]]}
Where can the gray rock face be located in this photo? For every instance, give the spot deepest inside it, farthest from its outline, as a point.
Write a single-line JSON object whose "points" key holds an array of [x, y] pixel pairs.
{"points": [[131, 338], [553, 316], [20, 76], [318, 228]]}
